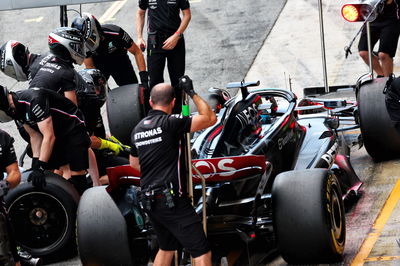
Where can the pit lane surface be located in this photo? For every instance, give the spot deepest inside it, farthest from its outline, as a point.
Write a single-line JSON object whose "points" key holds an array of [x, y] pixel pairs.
{"points": [[292, 48]]}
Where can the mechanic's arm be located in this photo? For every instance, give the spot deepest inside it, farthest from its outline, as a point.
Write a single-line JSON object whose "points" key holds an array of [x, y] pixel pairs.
{"points": [[89, 62], [13, 175], [206, 116], [46, 128], [35, 140], [171, 42], [140, 17], [71, 95], [139, 58], [134, 162]]}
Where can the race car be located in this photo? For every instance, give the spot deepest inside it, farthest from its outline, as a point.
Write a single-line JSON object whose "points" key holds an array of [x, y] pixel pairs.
{"points": [[276, 178]]}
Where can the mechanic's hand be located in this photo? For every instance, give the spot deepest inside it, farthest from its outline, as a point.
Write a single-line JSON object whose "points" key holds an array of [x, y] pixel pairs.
{"points": [[37, 176], [144, 79], [171, 42], [4, 187], [142, 44], [106, 144], [35, 163], [186, 84]]}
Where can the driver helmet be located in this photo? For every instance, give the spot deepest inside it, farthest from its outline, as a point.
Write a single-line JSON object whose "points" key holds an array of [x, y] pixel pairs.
{"points": [[14, 60], [68, 44], [96, 88], [5, 112], [90, 28]]}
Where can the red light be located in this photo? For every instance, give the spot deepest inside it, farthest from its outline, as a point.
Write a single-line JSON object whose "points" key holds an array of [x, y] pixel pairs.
{"points": [[350, 13], [252, 235]]}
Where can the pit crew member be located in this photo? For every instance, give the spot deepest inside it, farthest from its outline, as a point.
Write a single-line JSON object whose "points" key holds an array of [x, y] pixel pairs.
{"points": [[156, 152], [57, 132], [165, 40]]}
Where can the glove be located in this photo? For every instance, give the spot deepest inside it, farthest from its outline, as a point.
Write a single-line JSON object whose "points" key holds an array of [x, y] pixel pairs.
{"points": [[106, 144], [186, 84], [144, 79], [115, 140], [4, 187], [37, 176]]}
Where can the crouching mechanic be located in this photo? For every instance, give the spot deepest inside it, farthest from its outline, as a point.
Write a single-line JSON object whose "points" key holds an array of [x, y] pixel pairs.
{"points": [[156, 153], [56, 129], [8, 165]]}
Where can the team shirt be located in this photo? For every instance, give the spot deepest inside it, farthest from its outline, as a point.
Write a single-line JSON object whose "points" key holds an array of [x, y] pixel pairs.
{"points": [[157, 142], [164, 14], [52, 73], [7, 152], [35, 105]]}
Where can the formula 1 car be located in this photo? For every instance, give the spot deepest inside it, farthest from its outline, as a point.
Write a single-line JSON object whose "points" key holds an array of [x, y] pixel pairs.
{"points": [[276, 178]]}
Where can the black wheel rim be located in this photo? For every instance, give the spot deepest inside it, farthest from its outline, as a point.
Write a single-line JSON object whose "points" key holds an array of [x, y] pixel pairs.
{"points": [[40, 221], [337, 225]]}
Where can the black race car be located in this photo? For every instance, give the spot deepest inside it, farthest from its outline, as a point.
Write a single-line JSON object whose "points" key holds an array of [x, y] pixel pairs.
{"points": [[276, 176]]}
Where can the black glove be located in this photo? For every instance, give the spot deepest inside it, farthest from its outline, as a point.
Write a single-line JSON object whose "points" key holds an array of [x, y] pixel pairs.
{"points": [[4, 187], [186, 84], [35, 163], [144, 79], [38, 176]]}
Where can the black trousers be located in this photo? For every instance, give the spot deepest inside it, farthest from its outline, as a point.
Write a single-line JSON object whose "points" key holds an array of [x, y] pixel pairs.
{"points": [[175, 58]]}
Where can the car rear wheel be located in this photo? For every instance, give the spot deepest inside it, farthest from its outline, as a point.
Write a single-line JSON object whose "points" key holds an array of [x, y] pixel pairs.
{"points": [[309, 217], [44, 219], [380, 137]]}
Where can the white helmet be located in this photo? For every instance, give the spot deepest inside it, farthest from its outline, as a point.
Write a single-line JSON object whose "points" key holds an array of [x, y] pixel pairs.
{"points": [[14, 60], [67, 43], [90, 28]]}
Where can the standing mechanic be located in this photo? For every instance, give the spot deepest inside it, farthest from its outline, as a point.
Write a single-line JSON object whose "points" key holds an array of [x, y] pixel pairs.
{"points": [[107, 46], [57, 132], [386, 29], [156, 151], [165, 40]]}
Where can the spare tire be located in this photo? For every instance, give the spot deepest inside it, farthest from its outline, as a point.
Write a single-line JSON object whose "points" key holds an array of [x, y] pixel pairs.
{"points": [[380, 137], [124, 110], [44, 219], [101, 230], [309, 216]]}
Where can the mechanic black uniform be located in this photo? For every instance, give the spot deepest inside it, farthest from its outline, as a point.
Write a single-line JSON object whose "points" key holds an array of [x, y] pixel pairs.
{"points": [[111, 57], [156, 141], [72, 141], [52, 73], [7, 157], [164, 21], [91, 110], [385, 28]]}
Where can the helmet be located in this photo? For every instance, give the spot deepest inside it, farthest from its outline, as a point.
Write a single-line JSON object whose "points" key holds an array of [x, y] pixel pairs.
{"points": [[68, 44], [5, 114], [14, 60], [90, 28], [95, 88]]}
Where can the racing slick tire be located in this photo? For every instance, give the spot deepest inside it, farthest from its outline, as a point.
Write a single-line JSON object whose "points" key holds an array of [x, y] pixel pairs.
{"points": [[124, 110], [43, 220], [309, 216], [380, 137], [101, 230]]}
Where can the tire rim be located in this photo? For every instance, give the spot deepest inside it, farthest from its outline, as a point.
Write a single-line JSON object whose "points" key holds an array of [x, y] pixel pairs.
{"points": [[40, 220], [336, 217]]}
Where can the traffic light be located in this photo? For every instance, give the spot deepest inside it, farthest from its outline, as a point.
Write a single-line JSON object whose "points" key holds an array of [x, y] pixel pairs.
{"points": [[362, 10]]}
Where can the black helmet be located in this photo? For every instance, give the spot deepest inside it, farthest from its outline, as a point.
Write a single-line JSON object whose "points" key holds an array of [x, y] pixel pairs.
{"points": [[92, 87], [14, 60], [5, 112], [90, 28], [68, 44]]}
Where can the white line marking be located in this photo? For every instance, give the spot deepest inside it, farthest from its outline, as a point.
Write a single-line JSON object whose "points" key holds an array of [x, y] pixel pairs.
{"points": [[33, 19], [114, 8]]}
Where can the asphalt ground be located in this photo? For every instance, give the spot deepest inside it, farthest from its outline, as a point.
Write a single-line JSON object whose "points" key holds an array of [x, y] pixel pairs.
{"points": [[230, 40]]}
